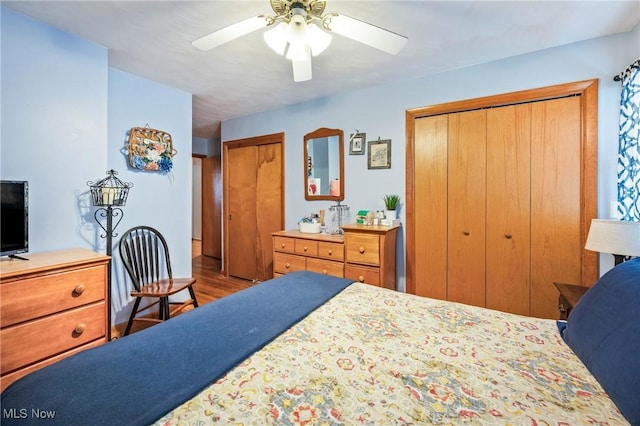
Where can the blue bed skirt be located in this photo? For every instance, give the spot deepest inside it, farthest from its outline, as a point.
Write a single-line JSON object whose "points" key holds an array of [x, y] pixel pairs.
{"points": [[115, 384]]}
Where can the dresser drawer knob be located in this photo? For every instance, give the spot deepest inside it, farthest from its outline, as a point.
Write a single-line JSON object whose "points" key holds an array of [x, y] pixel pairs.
{"points": [[324, 271], [283, 245], [361, 250], [79, 289], [507, 236], [361, 278], [80, 328], [304, 248], [287, 265], [330, 252], [465, 232]]}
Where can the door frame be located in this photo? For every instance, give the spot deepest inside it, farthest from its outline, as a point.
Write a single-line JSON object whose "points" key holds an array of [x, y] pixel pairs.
{"points": [[241, 143], [588, 90]]}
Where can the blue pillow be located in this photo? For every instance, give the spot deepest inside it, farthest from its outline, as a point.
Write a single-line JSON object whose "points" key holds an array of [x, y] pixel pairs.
{"points": [[603, 330]]}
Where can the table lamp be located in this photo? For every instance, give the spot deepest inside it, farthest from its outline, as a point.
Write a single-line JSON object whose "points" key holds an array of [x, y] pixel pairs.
{"points": [[617, 237]]}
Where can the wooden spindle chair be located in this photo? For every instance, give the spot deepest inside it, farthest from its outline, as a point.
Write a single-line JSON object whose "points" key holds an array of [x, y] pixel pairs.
{"points": [[145, 256]]}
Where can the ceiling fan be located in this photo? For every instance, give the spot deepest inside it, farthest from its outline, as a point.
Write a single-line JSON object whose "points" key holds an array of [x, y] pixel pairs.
{"points": [[300, 30]]}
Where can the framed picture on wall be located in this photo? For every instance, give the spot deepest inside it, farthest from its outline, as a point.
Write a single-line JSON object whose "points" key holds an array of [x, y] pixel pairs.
{"points": [[379, 154], [357, 143]]}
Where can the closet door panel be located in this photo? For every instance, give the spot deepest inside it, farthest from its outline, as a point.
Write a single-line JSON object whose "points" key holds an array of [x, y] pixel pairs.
{"points": [[555, 200], [508, 208], [242, 212], [467, 207], [430, 153]]}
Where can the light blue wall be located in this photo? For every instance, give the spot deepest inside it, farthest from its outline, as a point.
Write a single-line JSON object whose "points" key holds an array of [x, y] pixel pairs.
{"points": [[200, 146], [157, 200], [54, 125], [65, 121], [380, 112]]}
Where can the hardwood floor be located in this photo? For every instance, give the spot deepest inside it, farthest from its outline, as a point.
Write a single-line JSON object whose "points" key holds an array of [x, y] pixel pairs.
{"points": [[210, 285]]}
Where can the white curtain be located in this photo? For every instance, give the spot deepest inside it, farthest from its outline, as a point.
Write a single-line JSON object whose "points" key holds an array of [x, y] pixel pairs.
{"points": [[629, 145]]}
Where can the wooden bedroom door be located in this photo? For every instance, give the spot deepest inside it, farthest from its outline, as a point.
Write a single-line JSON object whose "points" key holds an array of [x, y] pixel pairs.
{"points": [[253, 203], [212, 207]]}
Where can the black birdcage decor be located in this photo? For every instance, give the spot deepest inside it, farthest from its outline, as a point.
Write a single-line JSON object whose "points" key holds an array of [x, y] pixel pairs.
{"points": [[108, 195], [109, 191]]}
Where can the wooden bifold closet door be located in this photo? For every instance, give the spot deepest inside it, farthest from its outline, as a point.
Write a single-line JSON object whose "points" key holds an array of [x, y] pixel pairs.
{"points": [[254, 204], [494, 201]]}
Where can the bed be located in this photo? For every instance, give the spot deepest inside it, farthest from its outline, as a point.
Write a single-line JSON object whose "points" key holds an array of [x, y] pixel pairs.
{"points": [[311, 349]]}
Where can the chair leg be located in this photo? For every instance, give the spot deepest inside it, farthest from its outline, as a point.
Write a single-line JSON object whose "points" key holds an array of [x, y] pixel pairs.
{"points": [[164, 312], [132, 316], [192, 293]]}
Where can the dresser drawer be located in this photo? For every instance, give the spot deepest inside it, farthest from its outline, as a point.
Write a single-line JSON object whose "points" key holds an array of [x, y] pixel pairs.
{"points": [[325, 267], [12, 377], [307, 247], [333, 251], [285, 263], [27, 343], [31, 298], [362, 248], [284, 244], [363, 274]]}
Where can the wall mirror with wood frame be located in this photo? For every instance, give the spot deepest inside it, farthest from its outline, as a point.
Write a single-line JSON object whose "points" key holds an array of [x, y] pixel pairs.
{"points": [[323, 165]]}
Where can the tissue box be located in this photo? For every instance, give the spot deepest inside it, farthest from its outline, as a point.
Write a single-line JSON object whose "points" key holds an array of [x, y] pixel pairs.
{"points": [[309, 228]]}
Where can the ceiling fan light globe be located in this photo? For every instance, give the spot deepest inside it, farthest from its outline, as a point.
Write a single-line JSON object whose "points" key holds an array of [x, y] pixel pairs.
{"points": [[297, 33], [276, 38], [319, 40]]}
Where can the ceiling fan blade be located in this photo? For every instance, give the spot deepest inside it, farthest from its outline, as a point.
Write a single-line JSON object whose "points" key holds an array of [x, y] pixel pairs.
{"points": [[231, 32], [366, 33], [301, 69]]}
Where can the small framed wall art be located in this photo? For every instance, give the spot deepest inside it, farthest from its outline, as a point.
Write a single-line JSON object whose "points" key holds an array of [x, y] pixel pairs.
{"points": [[379, 154], [357, 143]]}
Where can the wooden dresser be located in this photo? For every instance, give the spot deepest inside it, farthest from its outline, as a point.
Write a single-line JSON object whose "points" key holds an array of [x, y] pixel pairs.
{"points": [[51, 306], [364, 253]]}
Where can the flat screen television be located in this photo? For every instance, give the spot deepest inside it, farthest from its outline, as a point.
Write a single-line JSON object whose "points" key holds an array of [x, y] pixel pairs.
{"points": [[14, 217]]}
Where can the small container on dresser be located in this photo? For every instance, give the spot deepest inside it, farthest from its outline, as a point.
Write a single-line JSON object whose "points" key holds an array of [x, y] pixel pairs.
{"points": [[51, 306]]}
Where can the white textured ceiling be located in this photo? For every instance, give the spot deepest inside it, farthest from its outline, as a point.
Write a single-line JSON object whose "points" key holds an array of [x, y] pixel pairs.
{"points": [[153, 39]]}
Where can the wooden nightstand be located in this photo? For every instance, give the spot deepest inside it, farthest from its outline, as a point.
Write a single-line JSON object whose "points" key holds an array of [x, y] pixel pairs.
{"points": [[569, 296]]}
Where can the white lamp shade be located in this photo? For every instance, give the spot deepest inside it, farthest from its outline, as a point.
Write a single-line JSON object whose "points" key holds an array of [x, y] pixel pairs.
{"points": [[318, 39], [276, 38], [300, 38], [614, 236]]}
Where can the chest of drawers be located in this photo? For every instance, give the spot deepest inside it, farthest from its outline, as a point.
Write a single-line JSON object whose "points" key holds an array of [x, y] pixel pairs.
{"points": [[297, 251], [364, 253], [51, 306]]}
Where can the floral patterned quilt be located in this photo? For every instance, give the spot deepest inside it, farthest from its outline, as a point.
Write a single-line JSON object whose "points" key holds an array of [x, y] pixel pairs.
{"points": [[372, 356]]}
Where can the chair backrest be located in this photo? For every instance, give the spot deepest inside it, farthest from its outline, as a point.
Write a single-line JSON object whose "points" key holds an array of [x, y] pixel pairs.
{"points": [[145, 255]]}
